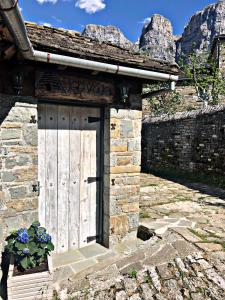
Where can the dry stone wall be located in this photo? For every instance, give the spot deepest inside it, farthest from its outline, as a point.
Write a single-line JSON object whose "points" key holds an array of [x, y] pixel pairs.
{"points": [[193, 141], [18, 164]]}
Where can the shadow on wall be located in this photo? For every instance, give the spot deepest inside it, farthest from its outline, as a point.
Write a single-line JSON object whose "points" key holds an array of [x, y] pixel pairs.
{"points": [[190, 141]]}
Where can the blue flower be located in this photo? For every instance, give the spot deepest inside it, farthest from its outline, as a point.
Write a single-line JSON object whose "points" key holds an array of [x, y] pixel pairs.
{"points": [[22, 236], [44, 237], [26, 251]]}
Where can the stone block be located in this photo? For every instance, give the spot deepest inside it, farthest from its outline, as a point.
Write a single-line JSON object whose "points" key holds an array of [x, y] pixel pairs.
{"points": [[118, 146], [125, 169], [8, 134], [18, 192], [134, 144], [133, 221], [123, 161], [119, 114], [144, 233], [22, 205], [135, 114], [63, 273], [82, 265], [21, 114], [210, 247], [132, 180], [14, 223], [22, 149], [28, 174], [114, 128], [8, 176], [119, 225], [130, 207], [11, 125], [30, 135], [126, 129], [136, 159]]}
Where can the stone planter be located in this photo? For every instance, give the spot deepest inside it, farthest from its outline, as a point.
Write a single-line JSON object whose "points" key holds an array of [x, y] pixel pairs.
{"points": [[30, 286]]}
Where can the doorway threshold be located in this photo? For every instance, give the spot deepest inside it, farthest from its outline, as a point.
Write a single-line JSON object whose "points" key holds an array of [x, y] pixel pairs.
{"points": [[69, 264]]}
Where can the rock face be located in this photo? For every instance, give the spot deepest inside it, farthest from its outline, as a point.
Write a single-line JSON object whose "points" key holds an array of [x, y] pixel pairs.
{"points": [[157, 39], [202, 28], [108, 34]]}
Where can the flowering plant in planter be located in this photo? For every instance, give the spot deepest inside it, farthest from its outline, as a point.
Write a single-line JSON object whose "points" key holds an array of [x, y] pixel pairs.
{"points": [[29, 247]]}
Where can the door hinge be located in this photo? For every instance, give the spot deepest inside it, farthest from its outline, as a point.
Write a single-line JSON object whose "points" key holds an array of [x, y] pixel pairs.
{"points": [[92, 238], [93, 179], [36, 188], [94, 119]]}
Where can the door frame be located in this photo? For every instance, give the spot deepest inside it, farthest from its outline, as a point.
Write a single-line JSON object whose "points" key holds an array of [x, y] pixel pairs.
{"points": [[100, 198]]}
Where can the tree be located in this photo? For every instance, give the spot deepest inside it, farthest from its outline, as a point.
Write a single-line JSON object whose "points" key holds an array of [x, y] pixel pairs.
{"points": [[203, 72]]}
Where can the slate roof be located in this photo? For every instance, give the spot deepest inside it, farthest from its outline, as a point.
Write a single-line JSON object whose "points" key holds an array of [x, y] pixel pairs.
{"points": [[72, 43]]}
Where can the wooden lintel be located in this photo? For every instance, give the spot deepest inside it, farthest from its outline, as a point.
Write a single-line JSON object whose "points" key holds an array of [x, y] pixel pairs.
{"points": [[61, 85]]}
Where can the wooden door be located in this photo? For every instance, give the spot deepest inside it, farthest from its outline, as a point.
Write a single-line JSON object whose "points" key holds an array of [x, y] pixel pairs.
{"points": [[69, 173]]}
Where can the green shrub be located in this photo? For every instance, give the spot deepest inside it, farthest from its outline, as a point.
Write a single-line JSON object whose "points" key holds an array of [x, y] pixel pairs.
{"points": [[29, 247]]}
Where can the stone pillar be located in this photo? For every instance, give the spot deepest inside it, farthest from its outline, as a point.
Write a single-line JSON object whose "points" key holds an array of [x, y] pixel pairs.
{"points": [[18, 167], [122, 173]]}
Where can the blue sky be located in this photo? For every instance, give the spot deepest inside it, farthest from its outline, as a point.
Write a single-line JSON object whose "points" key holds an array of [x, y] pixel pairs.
{"points": [[128, 15]]}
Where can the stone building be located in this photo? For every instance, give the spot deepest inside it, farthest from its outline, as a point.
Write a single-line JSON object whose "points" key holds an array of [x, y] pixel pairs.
{"points": [[71, 116]]}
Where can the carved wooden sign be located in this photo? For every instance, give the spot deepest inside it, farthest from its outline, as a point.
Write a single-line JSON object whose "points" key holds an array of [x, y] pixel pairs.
{"points": [[68, 86]]}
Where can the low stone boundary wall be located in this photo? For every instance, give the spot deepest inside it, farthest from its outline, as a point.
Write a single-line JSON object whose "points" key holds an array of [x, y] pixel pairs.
{"points": [[192, 141]]}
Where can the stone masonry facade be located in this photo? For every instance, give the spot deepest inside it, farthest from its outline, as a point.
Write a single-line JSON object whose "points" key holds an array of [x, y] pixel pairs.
{"points": [[192, 141], [122, 173], [18, 164], [19, 168]]}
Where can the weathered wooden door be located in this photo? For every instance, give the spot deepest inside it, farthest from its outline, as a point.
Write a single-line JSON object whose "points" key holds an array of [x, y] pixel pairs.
{"points": [[68, 153]]}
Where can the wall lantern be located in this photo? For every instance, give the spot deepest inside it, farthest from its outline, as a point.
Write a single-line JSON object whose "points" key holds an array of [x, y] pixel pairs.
{"points": [[124, 92], [17, 81]]}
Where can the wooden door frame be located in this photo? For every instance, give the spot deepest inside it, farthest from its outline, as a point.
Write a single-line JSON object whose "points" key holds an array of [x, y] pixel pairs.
{"points": [[99, 204]]}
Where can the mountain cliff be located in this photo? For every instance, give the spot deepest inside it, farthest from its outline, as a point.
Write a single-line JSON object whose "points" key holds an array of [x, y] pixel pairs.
{"points": [[157, 39], [109, 34], [203, 26]]}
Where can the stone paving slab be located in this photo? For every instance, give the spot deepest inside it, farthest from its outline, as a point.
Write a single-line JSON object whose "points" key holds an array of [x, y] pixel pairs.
{"points": [[186, 260], [160, 226], [191, 277]]}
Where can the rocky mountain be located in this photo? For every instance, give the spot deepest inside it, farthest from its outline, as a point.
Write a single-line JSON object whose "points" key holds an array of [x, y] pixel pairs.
{"points": [[109, 34], [202, 28], [157, 39]]}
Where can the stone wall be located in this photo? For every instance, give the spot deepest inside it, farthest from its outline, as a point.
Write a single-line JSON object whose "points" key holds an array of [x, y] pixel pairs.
{"points": [[122, 173], [188, 100], [18, 164], [193, 141], [19, 167]]}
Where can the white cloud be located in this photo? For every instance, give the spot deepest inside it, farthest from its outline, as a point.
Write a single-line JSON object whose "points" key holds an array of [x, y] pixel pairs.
{"points": [[146, 21], [91, 6], [58, 20], [45, 24], [46, 1]]}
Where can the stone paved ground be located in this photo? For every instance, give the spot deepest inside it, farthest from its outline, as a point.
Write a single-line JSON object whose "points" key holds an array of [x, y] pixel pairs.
{"points": [[184, 260], [201, 205]]}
